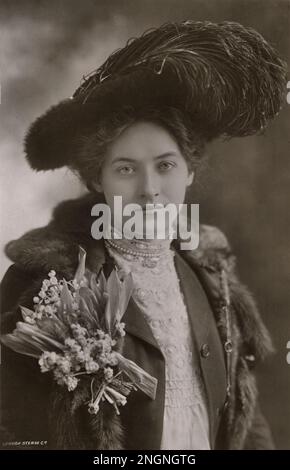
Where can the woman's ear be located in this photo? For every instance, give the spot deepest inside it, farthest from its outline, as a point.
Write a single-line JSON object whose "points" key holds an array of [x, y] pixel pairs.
{"points": [[190, 178], [96, 186]]}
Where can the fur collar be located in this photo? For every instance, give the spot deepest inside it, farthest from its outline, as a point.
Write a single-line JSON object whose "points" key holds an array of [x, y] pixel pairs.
{"points": [[55, 246]]}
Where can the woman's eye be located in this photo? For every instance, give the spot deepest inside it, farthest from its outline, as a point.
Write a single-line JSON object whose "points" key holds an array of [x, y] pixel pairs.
{"points": [[165, 166], [126, 170]]}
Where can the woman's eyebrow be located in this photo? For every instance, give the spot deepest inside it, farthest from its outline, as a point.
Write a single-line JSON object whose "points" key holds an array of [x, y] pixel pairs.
{"points": [[123, 159], [132, 160], [171, 153]]}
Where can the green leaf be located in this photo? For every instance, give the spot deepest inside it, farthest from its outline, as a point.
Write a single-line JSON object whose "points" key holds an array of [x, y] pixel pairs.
{"points": [[66, 301], [54, 327], [32, 331], [80, 272], [89, 317], [113, 302], [20, 346]]}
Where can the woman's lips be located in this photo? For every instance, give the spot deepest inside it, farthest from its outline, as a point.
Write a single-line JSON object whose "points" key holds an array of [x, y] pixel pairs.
{"points": [[152, 207]]}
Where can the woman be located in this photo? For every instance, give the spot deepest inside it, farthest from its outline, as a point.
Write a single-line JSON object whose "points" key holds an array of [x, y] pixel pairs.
{"points": [[137, 128]]}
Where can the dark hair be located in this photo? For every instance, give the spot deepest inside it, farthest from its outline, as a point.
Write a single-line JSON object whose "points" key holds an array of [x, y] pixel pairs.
{"points": [[91, 149]]}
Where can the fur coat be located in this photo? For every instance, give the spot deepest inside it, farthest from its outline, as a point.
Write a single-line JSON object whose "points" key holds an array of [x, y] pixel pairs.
{"points": [[242, 338]]}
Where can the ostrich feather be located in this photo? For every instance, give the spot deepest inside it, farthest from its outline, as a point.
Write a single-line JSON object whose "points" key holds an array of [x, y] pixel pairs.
{"points": [[226, 73]]}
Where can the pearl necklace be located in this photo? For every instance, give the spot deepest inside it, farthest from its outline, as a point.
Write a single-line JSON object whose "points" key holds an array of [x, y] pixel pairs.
{"points": [[148, 259]]}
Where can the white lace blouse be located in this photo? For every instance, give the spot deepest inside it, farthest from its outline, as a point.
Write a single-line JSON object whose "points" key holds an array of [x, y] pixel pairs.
{"points": [[158, 295]]}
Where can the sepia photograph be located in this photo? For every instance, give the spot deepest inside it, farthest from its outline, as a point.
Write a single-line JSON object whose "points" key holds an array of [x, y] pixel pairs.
{"points": [[145, 226]]}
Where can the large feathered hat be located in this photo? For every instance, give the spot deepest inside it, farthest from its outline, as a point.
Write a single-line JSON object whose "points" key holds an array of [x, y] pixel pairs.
{"points": [[225, 76]]}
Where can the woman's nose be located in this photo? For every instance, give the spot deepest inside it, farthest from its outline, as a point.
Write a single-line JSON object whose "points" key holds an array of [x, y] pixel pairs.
{"points": [[149, 187]]}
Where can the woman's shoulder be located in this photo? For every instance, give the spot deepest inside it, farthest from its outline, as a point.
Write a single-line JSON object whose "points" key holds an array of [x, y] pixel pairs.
{"points": [[55, 245], [213, 252], [213, 237]]}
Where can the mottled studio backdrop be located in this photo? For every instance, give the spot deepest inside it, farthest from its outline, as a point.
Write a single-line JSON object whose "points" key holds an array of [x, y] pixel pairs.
{"points": [[46, 46]]}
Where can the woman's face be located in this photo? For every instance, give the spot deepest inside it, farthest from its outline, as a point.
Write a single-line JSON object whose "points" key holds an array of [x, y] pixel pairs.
{"points": [[144, 165]]}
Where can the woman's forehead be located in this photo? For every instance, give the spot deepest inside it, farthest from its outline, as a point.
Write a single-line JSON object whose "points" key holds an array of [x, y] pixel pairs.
{"points": [[143, 140]]}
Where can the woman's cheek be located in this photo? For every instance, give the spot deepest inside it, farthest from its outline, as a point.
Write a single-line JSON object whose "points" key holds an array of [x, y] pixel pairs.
{"points": [[175, 189], [126, 189]]}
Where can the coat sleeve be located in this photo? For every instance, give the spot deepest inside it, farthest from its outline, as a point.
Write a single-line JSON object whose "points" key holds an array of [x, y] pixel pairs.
{"points": [[21, 408], [259, 437], [14, 283], [256, 346]]}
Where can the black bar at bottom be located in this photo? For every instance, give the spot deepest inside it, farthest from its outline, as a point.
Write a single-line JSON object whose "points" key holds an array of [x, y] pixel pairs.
{"points": [[125, 459]]}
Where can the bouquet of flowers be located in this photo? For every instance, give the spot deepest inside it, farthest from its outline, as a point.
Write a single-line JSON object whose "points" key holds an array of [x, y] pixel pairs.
{"points": [[75, 331]]}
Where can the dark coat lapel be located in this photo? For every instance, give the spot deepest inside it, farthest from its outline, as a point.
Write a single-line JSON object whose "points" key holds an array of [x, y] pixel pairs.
{"points": [[136, 324], [207, 340]]}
